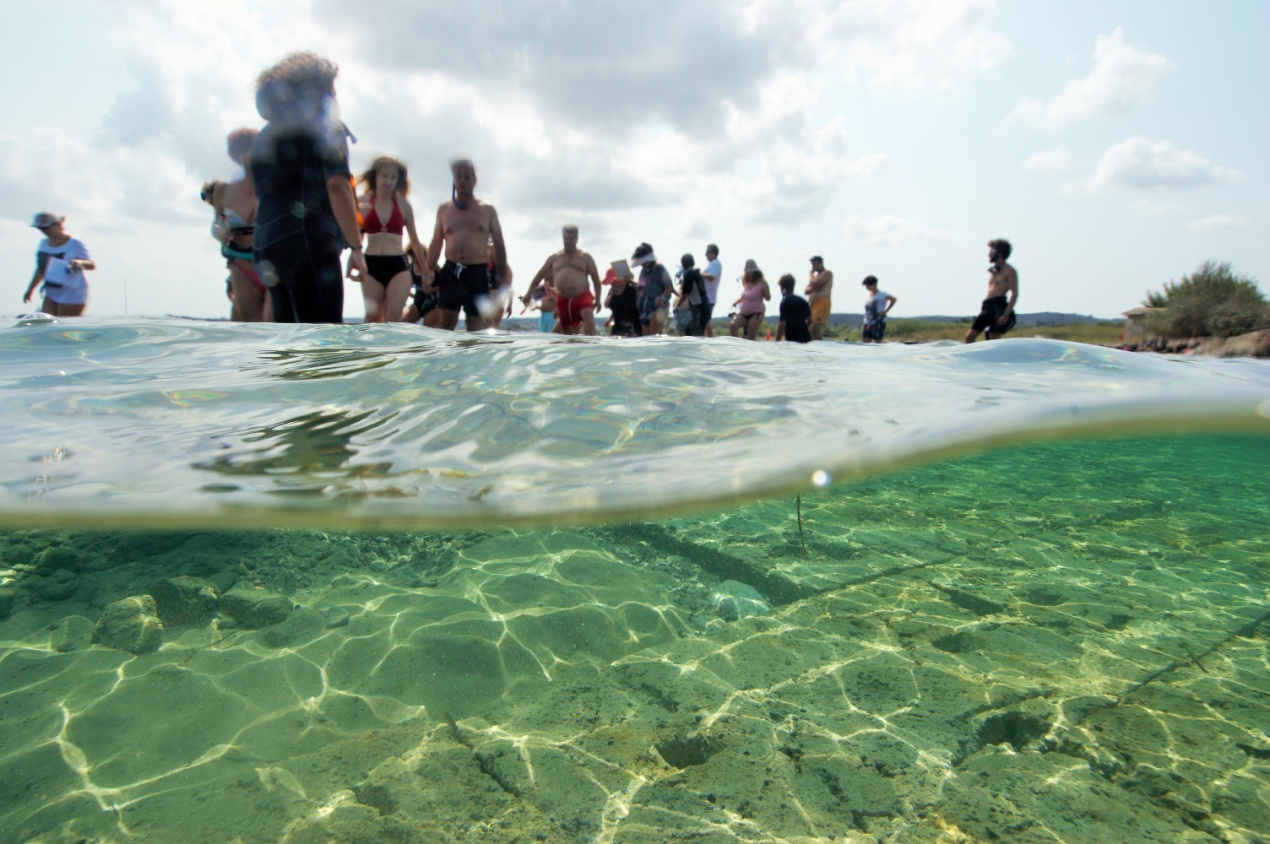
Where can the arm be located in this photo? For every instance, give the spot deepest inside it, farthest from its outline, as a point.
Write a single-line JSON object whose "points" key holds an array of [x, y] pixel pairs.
{"points": [[767, 291], [890, 303], [84, 263], [507, 283], [501, 269], [41, 261], [780, 330], [594, 272], [219, 230], [1014, 297], [344, 205], [434, 248], [543, 274], [416, 248]]}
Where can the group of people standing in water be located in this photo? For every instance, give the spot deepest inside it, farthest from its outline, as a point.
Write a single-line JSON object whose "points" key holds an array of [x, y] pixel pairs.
{"points": [[285, 225]]}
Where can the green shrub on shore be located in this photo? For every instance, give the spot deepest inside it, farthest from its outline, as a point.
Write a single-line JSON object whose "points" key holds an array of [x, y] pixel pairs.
{"points": [[1213, 301]]}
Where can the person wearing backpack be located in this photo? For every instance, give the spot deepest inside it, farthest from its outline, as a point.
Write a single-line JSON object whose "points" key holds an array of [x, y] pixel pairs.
{"points": [[693, 297]]}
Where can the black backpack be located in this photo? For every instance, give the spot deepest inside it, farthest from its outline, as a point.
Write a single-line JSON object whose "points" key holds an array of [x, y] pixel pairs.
{"points": [[692, 280]]}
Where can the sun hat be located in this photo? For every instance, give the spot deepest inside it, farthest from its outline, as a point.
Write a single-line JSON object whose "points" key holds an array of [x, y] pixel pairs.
{"points": [[44, 219], [643, 254]]}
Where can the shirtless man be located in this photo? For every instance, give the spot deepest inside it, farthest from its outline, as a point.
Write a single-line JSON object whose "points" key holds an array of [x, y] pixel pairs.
{"points": [[568, 271], [996, 317], [466, 225], [819, 289]]}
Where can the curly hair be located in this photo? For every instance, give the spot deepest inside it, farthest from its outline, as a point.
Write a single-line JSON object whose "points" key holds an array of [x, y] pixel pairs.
{"points": [[403, 178], [297, 75], [239, 142], [1003, 248]]}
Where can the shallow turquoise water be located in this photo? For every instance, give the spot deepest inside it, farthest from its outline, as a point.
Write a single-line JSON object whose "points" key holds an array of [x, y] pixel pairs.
{"points": [[602, 594]]}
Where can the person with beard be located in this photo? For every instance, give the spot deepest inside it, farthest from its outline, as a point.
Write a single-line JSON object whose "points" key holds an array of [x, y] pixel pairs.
{"points": [[996, 315], [465, 226]]}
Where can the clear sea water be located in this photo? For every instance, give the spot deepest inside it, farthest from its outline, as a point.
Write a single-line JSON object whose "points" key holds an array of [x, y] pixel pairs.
{"points": [[547, 589]]}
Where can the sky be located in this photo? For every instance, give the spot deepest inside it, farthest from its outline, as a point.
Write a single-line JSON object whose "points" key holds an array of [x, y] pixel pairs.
{"points": [[1117, 145]]}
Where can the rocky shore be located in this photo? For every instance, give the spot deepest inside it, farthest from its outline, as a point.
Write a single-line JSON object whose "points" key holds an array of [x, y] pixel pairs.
{"points": [[1255, 344]]}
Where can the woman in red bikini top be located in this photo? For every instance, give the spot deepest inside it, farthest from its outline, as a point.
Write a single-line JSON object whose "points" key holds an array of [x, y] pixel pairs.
{"points": [[386, 216]]}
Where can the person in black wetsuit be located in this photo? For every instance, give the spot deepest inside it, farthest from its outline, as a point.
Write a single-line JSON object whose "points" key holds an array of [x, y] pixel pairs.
{"points": [[308, 212]]}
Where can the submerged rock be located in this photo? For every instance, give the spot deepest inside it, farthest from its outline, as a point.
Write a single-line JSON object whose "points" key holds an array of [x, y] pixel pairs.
{"points": [[64, 557], [335, 617], [7, 598], [58, 586], [184, 600], [255, 608], [131, 624], [71, 634], [303, 625], [223, 581], [734, 600]]}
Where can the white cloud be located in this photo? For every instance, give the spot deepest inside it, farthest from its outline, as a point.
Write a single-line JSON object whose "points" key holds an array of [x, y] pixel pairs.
{"points": [[914, 44], [1058, 158], [889, 230], [604, 67], [1155, 207], [797, 180], [1216, 222], [1142, 164], [1122, 76]]}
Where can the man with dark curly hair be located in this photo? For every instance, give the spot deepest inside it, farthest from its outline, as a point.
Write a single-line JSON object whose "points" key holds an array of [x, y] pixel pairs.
{"points": [[308, 213], [996, 316]]}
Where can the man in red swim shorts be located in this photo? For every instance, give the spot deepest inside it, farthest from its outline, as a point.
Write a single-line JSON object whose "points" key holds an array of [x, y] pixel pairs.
{"points": [[568, 271]]}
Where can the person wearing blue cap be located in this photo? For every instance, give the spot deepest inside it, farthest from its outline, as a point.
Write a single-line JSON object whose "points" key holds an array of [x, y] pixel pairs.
{"points": [[60, 262]]}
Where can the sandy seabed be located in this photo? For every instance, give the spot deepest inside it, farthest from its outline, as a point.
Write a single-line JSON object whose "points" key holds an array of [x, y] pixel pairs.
{"points": [[1060, 643]]}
